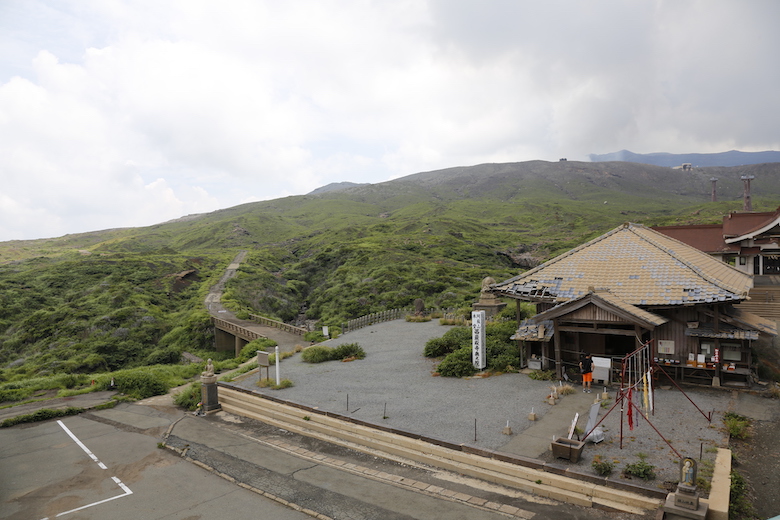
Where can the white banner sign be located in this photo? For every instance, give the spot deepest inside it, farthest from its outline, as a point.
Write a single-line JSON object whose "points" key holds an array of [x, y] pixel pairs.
{"points": [[478, 339]]}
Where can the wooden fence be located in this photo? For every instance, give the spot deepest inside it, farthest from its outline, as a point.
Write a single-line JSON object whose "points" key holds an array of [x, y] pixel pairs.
{"points": [[377, 317]]}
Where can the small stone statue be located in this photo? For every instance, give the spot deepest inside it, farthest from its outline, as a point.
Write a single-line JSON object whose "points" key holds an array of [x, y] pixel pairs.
{"points": [[688, 472], [209, 372], [486, 283]]}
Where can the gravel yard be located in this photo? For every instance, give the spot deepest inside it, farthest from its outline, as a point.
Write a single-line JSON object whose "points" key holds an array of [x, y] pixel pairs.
{"points": [[394, 386]]}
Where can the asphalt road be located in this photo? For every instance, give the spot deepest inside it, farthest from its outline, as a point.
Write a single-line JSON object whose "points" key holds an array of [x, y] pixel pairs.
{"points": [[46, 473], [107, 464]]}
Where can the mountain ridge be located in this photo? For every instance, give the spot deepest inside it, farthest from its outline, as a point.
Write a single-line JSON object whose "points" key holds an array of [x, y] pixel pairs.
{"points": [[697, 160]]}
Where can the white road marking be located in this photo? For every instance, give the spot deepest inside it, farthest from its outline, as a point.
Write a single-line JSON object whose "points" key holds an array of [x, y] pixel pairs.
{"points": [[81, 445], [124, 488], [103, 466]]}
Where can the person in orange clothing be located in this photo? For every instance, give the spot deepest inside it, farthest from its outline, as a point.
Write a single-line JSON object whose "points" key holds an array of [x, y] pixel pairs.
{"points": [[586, 369]]}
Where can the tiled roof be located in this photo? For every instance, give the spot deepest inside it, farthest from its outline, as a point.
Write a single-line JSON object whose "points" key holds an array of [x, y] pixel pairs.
{"points": [[707, 238], [737, 224], [529, 330], [636, 264]]}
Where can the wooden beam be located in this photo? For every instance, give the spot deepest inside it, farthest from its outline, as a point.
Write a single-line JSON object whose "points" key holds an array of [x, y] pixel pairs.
{"points": [[614, 332]]}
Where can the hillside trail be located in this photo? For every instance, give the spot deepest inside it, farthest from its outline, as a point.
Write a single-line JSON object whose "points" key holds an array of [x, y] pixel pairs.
{"points": [[286, 341]]}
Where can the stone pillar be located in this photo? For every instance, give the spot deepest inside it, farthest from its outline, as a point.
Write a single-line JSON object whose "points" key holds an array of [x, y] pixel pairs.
{"points": [[208, 389]]}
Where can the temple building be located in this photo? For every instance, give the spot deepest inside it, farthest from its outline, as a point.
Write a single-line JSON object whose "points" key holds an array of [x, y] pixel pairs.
{"points": [[633, 285], [750, 241]]}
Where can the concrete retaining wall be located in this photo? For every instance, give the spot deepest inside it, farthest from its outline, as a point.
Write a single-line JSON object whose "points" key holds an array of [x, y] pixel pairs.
{"points": [[529, 475]]}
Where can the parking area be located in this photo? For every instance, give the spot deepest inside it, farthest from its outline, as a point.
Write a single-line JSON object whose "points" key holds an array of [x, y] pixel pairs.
{"points": [[80, 468]]}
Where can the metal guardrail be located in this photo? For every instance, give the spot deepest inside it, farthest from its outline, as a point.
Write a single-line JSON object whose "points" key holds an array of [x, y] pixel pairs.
{"points": [[292, 329]]}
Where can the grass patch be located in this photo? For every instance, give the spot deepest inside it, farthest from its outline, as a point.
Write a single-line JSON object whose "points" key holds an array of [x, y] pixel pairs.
{"points": [[411, 318], [641, 469], [602, 467], [40, 415], [271, 383], [321, 353], [542, 375], [737, 426], [740, 505], [189, 398]]}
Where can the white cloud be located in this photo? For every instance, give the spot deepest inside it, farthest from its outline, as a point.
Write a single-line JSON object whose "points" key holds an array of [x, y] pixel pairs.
{"points": [[132, 112]]}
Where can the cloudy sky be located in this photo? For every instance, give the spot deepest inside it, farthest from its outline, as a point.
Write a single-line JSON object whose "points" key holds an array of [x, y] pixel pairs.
{"points": [[119, 113]]}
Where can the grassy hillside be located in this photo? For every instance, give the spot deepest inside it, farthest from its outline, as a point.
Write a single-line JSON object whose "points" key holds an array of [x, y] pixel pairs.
{"points": [[113, 299]]}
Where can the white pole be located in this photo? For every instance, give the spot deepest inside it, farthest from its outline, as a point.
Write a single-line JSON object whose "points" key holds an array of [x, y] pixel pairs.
{"points": [[276, 354]]}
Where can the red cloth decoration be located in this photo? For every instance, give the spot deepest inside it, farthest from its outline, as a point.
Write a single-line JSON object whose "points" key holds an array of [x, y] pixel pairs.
{"points": [[630, 409]]}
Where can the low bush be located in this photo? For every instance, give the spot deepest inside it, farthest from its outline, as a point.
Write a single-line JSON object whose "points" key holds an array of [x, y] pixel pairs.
{"points": [[348, 350], [315, 336], [316, 354], [321, 353], [457, 364], [189, 397], [737, 426], [140, 384], [251, 348], [452, 340], [602, 467], [641, 469]]}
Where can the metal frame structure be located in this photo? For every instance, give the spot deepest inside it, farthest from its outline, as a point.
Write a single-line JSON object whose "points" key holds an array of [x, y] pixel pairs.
{"points": [[637, 374]]}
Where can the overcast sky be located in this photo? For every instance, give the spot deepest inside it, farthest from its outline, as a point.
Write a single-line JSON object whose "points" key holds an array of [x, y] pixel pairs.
{"points": [[118, 113]]}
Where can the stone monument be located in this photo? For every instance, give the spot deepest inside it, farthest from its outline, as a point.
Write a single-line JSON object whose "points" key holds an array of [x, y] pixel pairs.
{"points": [[208, 389], [488, 301], [684, 503]]}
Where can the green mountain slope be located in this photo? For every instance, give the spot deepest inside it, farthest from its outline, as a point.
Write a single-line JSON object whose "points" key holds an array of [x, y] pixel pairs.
{"points": [[109, 299]]}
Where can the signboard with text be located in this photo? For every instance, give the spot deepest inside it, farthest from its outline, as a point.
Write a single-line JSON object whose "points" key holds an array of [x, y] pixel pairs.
{"points": [[478, 339]]}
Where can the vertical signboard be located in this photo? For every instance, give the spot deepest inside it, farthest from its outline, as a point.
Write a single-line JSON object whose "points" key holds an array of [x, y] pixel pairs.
{"points": [[478, 339]]}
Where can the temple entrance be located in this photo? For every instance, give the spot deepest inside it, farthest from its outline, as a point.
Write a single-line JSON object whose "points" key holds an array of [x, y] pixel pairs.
{"points": [[771, 264], [619, 346]]}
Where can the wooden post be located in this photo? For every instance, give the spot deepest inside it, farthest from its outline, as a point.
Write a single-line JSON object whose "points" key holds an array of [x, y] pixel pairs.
{"points": [[558, 358]]}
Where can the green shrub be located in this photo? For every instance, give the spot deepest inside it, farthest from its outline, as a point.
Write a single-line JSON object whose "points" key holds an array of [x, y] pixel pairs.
{"points": [[348, 350], [452, 340], [251, 348], [437, 347], [140, 384], [457, 364], [504, 362], [316, 354], [737, 426], [189, 397], [641, 469], [321, 353], [163, 356], [315, 336], [602, 467]]}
